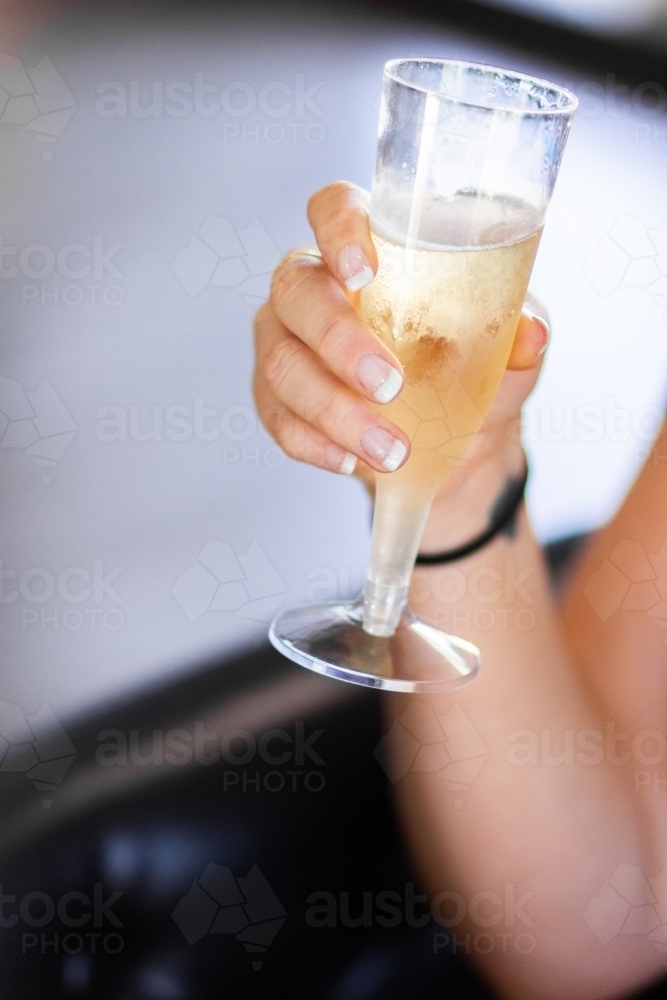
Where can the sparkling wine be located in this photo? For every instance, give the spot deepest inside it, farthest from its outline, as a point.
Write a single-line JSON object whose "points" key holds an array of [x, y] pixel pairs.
{"points": [[447, 303]]}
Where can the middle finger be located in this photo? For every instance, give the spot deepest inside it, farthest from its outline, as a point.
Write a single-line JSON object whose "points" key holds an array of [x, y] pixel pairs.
{"points": [[312, 304]]}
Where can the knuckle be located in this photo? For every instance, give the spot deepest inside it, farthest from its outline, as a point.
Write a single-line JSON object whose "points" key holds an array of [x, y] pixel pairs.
{"points": [[336, 192], [289, 433], [336, 416], [298, 443], [288, 279], [337, 208], [276, 418], [328, 418], [281, 360], [344, 225], [261, 316], [330, 193], [336, 333]]}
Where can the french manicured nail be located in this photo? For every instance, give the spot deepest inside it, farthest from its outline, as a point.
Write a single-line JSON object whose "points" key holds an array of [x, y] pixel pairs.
{"points": [[385, 449], [343, 462], [353, 267], [378, 376], [547, 335], [536, 311]]}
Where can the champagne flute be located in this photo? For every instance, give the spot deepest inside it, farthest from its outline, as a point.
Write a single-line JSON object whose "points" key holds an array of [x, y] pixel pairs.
{"points": [[467, 159]]}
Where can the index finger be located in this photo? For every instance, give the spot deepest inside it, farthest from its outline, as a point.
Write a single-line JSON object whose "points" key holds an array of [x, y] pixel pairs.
{"points": [[339, 216]]}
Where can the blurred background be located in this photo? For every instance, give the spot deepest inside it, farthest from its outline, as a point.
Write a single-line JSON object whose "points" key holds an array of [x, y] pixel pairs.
{"points": [[156, 160]]}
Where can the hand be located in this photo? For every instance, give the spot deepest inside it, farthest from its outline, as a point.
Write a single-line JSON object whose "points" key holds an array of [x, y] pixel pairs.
{"points": [[319, 367]]}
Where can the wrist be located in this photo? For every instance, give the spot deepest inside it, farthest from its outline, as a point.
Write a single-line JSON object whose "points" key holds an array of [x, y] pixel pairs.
{"points": [[462, 508]]}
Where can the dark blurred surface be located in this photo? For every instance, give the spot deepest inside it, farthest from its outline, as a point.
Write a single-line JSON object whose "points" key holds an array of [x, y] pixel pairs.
{"points": [[136, 834], [149, 843], [637, 52]]}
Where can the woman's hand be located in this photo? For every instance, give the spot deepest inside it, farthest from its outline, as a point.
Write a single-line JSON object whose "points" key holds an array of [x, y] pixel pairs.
{"points": [[319, 367]]}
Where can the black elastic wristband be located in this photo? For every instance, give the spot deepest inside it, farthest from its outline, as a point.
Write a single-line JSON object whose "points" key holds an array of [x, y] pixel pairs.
{"points": [[503, 520]]}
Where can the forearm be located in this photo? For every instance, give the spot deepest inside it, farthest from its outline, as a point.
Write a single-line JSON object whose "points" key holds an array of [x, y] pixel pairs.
{"points": [[613, 607], [550, 827], [613, 618]]}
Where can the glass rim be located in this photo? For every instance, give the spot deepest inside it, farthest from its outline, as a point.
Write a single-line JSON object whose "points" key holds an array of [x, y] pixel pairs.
{"points": [[573, 101]]}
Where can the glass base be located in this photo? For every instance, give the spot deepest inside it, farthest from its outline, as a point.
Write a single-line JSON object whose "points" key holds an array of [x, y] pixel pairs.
{"points": [[329, 639]]}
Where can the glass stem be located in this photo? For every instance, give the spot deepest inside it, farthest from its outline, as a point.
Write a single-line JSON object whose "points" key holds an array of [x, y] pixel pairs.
{"points": [[398, 524]]}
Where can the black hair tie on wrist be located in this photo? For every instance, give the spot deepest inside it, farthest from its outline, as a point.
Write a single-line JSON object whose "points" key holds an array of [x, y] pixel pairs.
{"points": [[503, 521]]}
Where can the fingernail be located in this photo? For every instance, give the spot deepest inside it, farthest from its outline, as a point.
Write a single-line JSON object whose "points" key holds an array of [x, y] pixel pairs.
{"points": [[349, 464], [385, 449], [378, 376], [546, 333], [341, 461], [536, 311], [353, 267]]}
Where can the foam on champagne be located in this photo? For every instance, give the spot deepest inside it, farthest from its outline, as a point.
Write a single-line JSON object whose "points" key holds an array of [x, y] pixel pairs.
{"points": [[467, 221]]}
